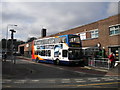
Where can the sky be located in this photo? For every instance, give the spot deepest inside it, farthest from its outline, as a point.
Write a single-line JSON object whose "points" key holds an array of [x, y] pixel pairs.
{"points": [[30, 17]]}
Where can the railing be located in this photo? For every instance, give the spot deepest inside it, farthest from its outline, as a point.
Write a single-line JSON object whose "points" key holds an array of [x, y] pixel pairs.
{"points": [[99, 62]]}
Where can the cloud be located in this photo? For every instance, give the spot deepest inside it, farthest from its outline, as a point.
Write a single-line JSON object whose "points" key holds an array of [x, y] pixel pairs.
{"points": [[54, 16], [60, 0], [113, 8]]}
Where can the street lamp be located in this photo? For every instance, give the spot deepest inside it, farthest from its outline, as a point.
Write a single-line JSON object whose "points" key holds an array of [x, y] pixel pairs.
{"points": [[12, 37], [7, 33]]}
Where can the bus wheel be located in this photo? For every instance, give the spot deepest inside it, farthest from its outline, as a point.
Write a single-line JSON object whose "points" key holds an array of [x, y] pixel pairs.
{"points": [[37, 60], [56, 62]]}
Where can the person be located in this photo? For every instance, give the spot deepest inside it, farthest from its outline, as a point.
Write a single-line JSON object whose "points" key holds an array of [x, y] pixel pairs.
{"points": [[112, 60]]}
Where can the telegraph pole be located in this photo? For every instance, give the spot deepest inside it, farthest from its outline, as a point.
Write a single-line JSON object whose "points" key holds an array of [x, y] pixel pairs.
{"points": [[12, 37]]}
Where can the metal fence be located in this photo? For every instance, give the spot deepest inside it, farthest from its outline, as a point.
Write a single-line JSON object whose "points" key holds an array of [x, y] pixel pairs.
{"points": [[99, 62]]}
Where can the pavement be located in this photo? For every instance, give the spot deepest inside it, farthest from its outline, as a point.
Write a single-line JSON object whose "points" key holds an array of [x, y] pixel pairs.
{"points": [[10, 70]]}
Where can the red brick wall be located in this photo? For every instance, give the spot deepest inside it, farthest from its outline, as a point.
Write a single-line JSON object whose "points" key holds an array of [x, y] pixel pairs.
{"points": [[103, 26]]}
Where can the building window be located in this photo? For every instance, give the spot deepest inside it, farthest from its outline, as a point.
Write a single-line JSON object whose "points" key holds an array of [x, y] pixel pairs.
{"points": [[114, 30], [94, 33], [82, 36]]}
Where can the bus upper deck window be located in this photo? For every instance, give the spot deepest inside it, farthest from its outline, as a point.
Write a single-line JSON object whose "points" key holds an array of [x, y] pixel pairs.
{"points": [[74, 39], [62, 39]]}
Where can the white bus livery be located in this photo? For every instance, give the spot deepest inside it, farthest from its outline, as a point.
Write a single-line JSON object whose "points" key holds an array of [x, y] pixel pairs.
{"points": [[64, 49]]}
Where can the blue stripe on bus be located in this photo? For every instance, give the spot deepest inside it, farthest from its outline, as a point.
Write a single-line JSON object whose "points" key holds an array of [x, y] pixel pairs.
{"points": [[51, 61]]}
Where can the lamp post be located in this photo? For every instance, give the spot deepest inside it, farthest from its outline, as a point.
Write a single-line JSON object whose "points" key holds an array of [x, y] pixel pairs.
{"points": [[7, 34], [12, 37]]}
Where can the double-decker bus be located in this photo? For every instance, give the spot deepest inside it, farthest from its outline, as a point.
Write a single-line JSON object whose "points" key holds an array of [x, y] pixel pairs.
{"points": [[64, 49]]}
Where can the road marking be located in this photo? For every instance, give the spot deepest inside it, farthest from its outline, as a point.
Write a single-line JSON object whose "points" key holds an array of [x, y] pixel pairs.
{"points": [[61, 68], [93, 84], [6, 81], [108, 79], [35, 80], [65, 81], [80, 81], [92, 78], [61, 80], [95, 80]]}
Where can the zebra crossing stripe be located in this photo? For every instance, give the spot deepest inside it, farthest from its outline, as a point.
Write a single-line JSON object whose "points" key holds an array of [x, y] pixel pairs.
{"points": [[95, 80], [35, 80], [80, 81], [92, 78], [65, 81], [69, 80]]}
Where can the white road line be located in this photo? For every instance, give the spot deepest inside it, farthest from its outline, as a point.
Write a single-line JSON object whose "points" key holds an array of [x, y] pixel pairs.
{"points": [[35, 80], [19, 81], [95, 80], [116, 77], [92, 78], [65, 81], [6, 81], [108, 79], [80, 81], [61, 68]]}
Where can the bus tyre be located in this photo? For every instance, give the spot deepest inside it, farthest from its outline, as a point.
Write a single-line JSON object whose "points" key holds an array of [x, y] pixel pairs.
{"points": [[37, 60], [56, 62]]}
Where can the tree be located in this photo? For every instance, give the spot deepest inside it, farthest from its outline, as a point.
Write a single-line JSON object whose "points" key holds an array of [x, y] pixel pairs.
{"points": [[3, 41], [15, 42]]}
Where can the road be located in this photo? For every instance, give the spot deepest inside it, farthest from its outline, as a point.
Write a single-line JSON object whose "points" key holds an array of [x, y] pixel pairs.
{"points": [[28, 74]]}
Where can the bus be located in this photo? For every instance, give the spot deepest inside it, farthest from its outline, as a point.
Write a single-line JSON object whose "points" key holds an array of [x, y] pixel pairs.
{"points": [[64, 49]]}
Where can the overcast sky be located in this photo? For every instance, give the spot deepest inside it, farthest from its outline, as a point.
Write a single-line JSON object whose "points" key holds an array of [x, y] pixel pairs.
{"points": [[31, 17]]}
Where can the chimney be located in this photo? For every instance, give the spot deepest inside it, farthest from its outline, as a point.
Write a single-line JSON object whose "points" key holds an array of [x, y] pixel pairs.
{"points": [[43, 33]]}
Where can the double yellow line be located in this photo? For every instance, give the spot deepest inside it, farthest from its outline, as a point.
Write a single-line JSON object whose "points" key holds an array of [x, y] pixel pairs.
{"points": [[94, 84]]}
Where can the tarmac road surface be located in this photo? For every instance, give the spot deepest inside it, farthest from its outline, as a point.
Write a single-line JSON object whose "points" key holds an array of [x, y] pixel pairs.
{"points": [[28, 74]]}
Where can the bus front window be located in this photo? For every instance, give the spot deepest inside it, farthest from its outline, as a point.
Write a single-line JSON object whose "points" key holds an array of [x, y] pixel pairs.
{"points": [[74, 39]]}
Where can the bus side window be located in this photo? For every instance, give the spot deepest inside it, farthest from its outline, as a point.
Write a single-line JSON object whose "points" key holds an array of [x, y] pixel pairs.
{"points": [[49, 53], [39, 53], [64, 53], [46, 52], [43, 53]]}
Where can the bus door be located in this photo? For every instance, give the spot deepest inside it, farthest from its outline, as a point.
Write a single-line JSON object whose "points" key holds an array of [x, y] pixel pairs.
{"points": [[64, 54]]}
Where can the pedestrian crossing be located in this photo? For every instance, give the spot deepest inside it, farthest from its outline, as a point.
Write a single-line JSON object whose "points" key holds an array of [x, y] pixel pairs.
{"points": [[58, 80]]}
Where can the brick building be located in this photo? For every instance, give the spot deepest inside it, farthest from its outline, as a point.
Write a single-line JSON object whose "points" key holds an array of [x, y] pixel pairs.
{"points": [[25, 49], [104, 34]]}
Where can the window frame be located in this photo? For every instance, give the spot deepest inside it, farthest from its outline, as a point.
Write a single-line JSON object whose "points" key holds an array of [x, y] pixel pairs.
{"points": [[94, 34], [113, 30]]}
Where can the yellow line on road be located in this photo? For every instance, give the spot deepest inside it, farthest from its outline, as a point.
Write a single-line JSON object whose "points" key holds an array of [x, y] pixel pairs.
{"points": [[93, 84]]}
